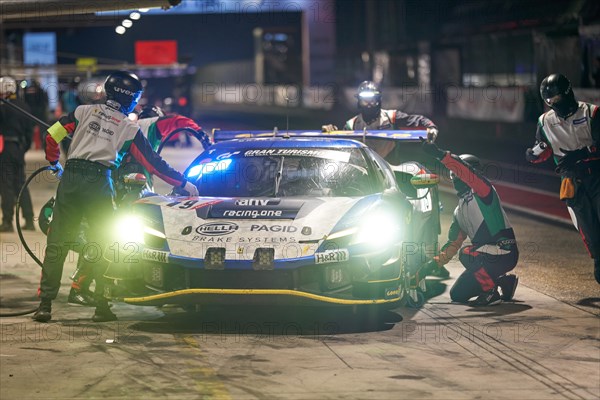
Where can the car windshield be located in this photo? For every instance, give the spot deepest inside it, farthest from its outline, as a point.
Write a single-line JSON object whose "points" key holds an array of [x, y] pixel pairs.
{"points": [[283, 172]]}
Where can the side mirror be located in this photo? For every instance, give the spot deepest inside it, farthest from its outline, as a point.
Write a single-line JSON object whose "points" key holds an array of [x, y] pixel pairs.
{"points": [[424, 181], [135, 179]]}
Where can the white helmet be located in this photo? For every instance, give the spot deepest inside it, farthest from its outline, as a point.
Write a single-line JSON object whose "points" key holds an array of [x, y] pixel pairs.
{"points": [[8, 86]]}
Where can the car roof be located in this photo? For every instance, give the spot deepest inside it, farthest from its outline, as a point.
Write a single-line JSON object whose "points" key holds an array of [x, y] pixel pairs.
{"points": [[282, 142]]}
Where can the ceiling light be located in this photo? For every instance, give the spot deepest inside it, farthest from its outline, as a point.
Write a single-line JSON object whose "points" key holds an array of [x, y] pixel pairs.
{"points": [[127, 23], [120, 29]]}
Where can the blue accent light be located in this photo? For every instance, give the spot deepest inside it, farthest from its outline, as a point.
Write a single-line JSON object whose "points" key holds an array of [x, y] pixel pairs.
{"points": [[208, 168]]}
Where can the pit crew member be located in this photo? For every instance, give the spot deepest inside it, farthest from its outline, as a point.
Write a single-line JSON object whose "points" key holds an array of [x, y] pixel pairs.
{"points": [[480, 217], [100, 134], [570, 131]]}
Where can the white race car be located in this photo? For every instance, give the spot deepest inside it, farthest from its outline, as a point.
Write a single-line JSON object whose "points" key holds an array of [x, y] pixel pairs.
{"points": [[299, 217]]}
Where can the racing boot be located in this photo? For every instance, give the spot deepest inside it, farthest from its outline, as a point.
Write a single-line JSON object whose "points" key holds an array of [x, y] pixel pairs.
{"points": [[103, 312], [508, 285], [490, 298], [44, 311], [80, 298], [597, 269]]}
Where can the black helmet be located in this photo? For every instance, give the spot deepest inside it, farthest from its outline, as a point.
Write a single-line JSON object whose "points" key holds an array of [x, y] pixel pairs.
{"points": [[123, 91], [557, 93], [473, 161], [459, 181], [369, 99], [151, 112]]}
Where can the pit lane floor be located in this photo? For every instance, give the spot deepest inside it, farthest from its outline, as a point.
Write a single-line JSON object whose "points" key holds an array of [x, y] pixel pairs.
{"points": [[544, 345]]}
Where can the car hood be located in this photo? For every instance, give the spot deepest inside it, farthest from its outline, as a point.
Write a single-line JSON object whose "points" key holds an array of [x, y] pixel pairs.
{"points": [[292, 226]]}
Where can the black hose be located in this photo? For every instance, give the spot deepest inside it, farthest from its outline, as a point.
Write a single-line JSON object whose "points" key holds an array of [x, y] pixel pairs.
{"points": [[23, 242], [19, 232]]}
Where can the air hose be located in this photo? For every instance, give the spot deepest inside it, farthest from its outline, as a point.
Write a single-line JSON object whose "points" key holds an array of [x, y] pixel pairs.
{"points": [[23, 241]]}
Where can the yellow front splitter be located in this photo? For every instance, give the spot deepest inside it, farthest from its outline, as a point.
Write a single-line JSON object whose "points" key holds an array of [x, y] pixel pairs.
{"points": [[176, 295]]}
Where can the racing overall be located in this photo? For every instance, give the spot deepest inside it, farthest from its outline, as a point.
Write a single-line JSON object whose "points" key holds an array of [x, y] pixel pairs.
{"points": [[389, 119], [480, 217], [100, 137], [581, 131], [156, 129]]}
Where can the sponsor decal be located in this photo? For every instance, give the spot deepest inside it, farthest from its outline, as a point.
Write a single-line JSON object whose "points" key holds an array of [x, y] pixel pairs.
{"points": [[94, 126], [211, 239], [307, 230], [331, 256], [273, 228], [392, 292], [108, 117], [217, 228], [579, 121], [124, 91], [187, 230], [255, 239], [155, 255], [256, 202], [319, 153], [253, 214], [108, 131]]}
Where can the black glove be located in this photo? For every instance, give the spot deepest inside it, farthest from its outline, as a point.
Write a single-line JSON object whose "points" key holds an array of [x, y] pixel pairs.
{"points": [[529, 156], [432, 149], [571, 158]]}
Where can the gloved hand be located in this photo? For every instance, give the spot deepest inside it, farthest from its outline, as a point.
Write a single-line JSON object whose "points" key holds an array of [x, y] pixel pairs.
{"points": [[191, 189], [432, 134], [57, 170], [529, 156], [571, 158], [329, 128], [432, 149]]}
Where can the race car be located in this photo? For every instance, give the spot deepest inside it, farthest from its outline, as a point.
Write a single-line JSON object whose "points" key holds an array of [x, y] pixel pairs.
{"points": [[290, 217]]}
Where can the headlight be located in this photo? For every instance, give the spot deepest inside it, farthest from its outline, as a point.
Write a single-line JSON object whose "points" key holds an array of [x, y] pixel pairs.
{"points": [[378, 230], [131, 228]]}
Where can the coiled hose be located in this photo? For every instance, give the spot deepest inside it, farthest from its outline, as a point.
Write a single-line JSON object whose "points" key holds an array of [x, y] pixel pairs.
{"points": [[23, 242]]}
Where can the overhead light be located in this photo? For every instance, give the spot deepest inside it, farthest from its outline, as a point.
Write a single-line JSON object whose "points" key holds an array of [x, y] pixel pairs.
{"points": [[135, 16], [120, 29], [143, 10], [127, 23]]}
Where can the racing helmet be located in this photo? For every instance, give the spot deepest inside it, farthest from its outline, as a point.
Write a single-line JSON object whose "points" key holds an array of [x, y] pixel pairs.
{"points": [[151, 112], [369, 99], [475, 163], [557, 93], [8, 86], [368, 95], [123, 91]]}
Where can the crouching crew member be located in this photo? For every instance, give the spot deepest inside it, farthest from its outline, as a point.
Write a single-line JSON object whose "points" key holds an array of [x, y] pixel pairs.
{"points": [[480, 217]]}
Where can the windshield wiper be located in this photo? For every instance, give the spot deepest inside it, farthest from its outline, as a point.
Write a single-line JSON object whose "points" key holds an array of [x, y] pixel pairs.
{"points": [[278, 176]]}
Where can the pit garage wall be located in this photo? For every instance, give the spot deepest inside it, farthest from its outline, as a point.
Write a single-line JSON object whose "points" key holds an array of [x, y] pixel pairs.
{"points": [[492, 103]]}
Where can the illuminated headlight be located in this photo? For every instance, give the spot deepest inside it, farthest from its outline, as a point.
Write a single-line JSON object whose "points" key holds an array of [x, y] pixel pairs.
{"points": [[378, 231], [131, 228]]}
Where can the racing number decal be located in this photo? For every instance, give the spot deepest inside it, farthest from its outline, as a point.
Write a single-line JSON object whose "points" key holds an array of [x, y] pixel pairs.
{"points": [[183, 206]]}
